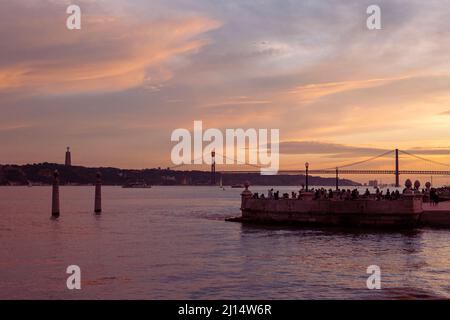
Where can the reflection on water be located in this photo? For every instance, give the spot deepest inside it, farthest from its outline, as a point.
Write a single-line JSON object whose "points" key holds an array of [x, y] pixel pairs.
{"points": [[172, 243]]}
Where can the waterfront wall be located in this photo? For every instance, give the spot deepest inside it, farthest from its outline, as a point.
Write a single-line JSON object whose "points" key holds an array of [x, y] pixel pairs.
{"points": [[362, 212], [436, 216]]}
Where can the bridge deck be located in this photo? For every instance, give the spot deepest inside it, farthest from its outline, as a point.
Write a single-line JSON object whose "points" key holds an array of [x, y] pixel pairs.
{"points": [[333, 172]]}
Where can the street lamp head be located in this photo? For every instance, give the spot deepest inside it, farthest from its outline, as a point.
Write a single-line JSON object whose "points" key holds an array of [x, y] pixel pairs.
{"points": [[307, 164]]}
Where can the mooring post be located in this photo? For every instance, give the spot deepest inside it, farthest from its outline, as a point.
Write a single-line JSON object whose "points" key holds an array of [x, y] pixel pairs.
{"points": [[397, 172], [98, 194], [337, 179], [55, 194]]}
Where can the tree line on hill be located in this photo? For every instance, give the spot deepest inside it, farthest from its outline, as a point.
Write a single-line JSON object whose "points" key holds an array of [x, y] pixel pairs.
{"points": [[42, 174]]}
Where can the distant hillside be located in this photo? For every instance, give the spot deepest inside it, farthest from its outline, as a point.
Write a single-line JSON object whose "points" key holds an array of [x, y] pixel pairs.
{"points": [[42, 174]]}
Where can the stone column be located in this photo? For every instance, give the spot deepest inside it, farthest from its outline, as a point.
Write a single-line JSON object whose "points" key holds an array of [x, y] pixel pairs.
{"points": [[98, 194], [55, 194]]}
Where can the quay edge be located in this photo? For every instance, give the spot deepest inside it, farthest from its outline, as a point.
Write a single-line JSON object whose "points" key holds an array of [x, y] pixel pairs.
{"points": [[408, 212]]}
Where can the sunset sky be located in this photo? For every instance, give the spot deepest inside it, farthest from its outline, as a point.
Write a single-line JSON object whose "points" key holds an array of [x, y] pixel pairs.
{"points": [[116, 89]]}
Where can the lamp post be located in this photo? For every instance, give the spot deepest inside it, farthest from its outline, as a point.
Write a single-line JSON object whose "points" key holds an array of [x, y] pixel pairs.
{"points": [[307, 184], [337, 179]]}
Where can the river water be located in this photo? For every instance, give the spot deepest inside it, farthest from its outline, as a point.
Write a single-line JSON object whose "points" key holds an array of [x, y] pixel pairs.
{"points": [[173, 243]]}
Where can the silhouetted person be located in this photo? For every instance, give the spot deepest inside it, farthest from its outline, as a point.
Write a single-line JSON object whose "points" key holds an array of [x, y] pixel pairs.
{"points": [[434, 197], [317, 195], [348, 195], [388, 195]]}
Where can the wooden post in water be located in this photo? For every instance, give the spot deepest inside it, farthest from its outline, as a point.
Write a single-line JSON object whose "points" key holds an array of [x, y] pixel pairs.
{"points": [[98, 194], [55, 194]]}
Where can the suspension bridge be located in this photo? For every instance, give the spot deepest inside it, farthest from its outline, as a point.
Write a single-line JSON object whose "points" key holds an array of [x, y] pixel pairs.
{"points": [[342, 169]]}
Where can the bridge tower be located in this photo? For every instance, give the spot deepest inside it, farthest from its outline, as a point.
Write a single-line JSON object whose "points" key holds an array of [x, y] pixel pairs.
{"points": [[213, 168], [397, 173]]}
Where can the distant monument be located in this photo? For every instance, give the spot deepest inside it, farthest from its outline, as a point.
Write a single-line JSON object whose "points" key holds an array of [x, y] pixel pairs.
{"points": [[68, 162]]}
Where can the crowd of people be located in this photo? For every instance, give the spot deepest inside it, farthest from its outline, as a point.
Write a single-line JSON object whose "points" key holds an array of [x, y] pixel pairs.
{"points": [[344, 194]]}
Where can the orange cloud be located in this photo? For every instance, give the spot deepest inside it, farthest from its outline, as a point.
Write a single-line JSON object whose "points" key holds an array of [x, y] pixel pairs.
{"points": [[108, 54], [312, 92]]}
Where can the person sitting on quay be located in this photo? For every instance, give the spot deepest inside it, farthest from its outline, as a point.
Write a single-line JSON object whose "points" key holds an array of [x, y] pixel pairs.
{"points": [[395, 195], [367, 193], [330, 194], [348, 195], [277, 195], [317, 195], [270, 193], [322, 193], [379, 195], [434, 197]]}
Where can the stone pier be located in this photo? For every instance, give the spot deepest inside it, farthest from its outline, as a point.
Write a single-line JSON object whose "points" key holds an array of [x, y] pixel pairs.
{"points": [[409, 211]]}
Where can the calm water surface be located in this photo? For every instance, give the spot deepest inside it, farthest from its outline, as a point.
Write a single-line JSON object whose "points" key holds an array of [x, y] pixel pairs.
{"points": [[173, 243]]}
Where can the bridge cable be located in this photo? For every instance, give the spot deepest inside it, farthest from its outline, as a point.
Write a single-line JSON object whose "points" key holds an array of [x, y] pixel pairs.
{"points": [[238, 162], [185, 164], [361, 162], [425, 159]]}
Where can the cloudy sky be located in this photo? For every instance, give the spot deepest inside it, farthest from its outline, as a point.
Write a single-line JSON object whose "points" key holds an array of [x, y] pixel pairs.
{"points": [[116, 89]]}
